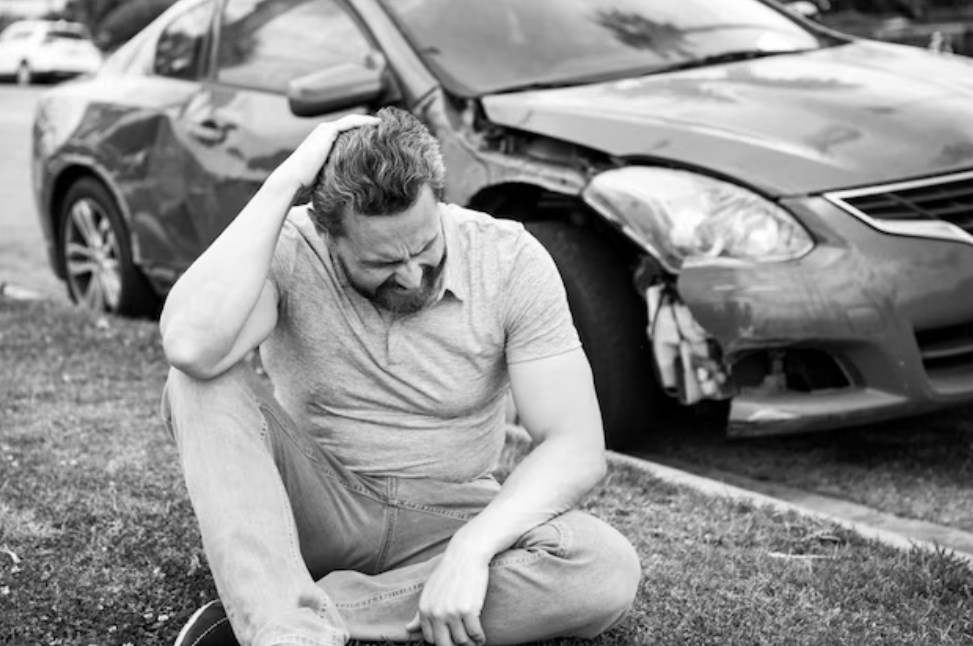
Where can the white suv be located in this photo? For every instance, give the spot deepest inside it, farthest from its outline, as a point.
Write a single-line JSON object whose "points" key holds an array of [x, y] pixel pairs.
{"points": [[30, 49]]}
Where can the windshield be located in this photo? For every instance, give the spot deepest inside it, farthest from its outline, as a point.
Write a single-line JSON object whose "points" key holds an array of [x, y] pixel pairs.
{"points": [[482, 46]]}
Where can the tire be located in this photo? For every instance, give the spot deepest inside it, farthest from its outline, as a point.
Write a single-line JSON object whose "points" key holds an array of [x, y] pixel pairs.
{"points": [[611, 320], [24, 75], [96, 253]]}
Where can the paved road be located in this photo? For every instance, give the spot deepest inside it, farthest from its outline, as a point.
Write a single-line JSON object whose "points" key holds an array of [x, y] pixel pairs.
{"points": [[22, 257]]}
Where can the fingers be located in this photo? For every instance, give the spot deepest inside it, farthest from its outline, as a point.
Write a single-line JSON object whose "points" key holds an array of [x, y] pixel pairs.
{"points": [[474, 629], [415, 625], [442, 633], [306, 162], [428, 631], [458, 631], [354, 121]]}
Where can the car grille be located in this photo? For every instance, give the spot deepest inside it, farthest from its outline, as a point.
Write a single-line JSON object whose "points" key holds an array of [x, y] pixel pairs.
{"points": [[903, 207], [946, 348], [951, 202]]}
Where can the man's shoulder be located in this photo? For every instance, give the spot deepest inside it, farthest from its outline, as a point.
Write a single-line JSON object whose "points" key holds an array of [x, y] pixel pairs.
{"points": [[298, 233], [298, 245], [481, 228], [298, 223]]}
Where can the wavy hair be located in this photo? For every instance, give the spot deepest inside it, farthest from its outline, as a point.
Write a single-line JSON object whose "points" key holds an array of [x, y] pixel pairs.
{"points": [[376, 170]]}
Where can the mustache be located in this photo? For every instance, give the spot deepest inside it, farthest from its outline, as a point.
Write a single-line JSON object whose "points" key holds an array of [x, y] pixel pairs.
{"points": [[430, 275]]}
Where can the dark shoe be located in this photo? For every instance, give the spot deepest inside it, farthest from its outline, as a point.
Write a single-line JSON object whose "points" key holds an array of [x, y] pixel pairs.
{"points": [[207, 627]]}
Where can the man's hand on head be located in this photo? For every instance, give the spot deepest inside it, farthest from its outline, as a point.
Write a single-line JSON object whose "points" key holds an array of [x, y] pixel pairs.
{"points": [[451, 601], [304, 164]]}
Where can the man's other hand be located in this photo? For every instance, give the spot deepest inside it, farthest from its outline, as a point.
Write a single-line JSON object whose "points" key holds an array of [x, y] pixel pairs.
{"points": [[451, 601], [304, 163]]}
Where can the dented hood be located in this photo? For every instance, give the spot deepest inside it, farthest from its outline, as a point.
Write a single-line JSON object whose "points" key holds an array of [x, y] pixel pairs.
{"points": [[853, 115]]}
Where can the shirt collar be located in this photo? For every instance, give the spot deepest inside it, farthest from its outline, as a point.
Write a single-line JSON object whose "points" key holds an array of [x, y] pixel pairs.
{"points": [[453, 276], [339, 269]]}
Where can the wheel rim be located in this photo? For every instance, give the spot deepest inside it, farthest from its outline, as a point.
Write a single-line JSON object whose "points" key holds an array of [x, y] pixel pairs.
{"points": [[92, 257]]}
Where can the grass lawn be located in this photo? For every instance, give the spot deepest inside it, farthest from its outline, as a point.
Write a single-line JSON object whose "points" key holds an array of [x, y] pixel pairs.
{"points": [[98, 544]]}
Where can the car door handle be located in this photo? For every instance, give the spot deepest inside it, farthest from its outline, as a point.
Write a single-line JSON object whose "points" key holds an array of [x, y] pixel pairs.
{"points": [[210, 131]]}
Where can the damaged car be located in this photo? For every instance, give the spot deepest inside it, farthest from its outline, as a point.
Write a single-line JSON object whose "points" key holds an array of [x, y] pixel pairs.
{"points": [[745, 207]]}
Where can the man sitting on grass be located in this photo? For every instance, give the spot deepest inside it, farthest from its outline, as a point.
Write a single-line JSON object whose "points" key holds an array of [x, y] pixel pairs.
{"points": [[356, 498]]}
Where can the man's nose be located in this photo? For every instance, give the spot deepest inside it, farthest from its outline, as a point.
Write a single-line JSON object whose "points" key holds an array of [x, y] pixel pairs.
{"points": [[409, 275]]}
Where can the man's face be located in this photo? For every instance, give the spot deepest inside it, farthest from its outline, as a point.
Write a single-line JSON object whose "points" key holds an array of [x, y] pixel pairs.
{"points": [[395, 261]]}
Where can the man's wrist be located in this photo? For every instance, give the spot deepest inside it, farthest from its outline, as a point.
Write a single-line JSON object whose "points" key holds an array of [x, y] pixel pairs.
{"points": [[470, 545], [283, 181]]}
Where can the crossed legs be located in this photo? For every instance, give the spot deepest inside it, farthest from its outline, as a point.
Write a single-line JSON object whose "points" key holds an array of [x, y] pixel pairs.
{"points": [[304, 551]]}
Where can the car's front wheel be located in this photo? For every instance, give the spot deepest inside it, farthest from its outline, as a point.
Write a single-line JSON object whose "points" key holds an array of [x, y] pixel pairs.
{"points": [[611, 321], [96, 254]]}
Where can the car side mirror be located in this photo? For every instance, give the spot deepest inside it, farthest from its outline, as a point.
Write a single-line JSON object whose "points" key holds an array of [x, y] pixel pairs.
{"points": [[338, 87]]}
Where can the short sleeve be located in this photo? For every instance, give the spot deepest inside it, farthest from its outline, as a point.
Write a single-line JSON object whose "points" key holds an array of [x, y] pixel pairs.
{"points": [[537, 319], [282, 264]]}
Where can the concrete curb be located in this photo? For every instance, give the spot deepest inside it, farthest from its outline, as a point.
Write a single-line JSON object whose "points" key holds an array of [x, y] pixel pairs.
{"points": [[18, 293], [901, 533]]}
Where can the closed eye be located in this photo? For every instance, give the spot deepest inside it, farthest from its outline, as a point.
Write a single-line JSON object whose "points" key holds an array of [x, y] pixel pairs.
{"points": [[387, 264]]}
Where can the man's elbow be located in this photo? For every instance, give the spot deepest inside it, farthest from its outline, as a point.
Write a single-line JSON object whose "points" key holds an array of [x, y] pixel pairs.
{"points": [[597, 465], [589, 463], [188, 357]]}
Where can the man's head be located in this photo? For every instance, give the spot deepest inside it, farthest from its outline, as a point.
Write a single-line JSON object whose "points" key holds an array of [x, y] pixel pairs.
{"points": [[377, 202]]}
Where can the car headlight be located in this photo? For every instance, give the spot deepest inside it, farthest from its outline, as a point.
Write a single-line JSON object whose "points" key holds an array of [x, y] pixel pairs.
{"points": [[682, 216]]}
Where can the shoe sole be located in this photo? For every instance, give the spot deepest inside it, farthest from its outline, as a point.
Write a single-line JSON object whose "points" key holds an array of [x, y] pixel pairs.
{"points": [[180, 640]]}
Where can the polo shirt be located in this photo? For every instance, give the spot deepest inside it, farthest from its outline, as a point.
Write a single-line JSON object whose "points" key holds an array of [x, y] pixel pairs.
{"points": [[419, 395]]}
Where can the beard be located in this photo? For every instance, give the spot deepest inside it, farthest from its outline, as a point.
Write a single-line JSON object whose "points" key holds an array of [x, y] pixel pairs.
{"points": [[392, 298]]}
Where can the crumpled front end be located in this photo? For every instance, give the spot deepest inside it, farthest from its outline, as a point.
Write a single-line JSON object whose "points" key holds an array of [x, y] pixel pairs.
{"points": [[866, 327], [804, 312]]}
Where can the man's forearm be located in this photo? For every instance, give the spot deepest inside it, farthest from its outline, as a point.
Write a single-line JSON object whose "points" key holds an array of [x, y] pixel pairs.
{"points": [[548, 482], [210, 303]]}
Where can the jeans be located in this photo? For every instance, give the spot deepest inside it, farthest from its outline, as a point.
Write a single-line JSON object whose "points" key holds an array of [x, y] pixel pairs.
{"points": [[304, 551]]}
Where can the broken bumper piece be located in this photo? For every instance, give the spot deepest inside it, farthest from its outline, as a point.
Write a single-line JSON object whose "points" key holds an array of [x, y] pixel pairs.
{"points": [[870, 328]]}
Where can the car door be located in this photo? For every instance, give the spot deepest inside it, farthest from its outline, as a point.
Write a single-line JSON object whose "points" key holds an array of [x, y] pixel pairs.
{"points": [[262, 45], [164, 127]]}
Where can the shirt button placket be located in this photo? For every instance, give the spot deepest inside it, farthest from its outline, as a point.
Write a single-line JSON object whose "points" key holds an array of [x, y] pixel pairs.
{"points": [[392, 342]]}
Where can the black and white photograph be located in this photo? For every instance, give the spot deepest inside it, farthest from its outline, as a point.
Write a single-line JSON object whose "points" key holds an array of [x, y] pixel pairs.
{"points": [[470, 322]]}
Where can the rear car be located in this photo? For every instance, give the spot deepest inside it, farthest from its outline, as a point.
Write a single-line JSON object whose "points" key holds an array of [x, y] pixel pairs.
{"points": [[746, 208], [32, 50]]}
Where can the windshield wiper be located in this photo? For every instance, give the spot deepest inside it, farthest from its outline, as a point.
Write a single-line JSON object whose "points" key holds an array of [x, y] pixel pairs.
{"points": [[727, 57]]}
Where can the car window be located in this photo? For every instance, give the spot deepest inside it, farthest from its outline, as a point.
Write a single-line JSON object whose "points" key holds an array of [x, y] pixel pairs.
{"points": [[264, 44], [181, 49], [482, 46], [16, 33]]}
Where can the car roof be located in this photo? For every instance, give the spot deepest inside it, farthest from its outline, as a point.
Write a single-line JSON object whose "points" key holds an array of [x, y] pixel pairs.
{"points": [[47, 25]]}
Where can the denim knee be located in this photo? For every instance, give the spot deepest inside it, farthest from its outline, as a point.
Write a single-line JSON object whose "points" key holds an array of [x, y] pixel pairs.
{"points": [[611, 571], [185, 398]]}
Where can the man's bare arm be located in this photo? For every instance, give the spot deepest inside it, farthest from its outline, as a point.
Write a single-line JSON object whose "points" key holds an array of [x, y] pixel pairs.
{"points": [[223, 306], [556, 401]]}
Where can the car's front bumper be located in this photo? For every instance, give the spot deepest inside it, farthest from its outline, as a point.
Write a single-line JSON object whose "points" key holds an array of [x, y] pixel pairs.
{"points": [[893, 312]]}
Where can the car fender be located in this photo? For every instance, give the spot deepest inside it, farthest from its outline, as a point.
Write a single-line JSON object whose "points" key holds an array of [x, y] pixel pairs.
{"points": [[70, 168]]}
